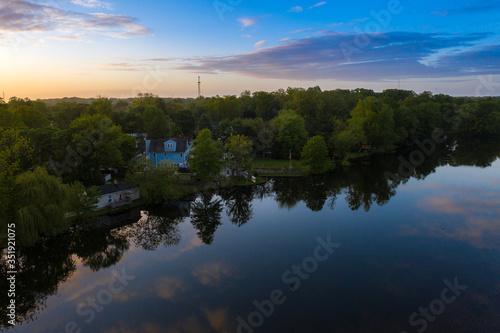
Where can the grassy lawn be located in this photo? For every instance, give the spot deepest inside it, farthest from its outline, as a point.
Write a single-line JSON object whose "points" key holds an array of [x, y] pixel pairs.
{"points": [[355, 155], [270, 163]]}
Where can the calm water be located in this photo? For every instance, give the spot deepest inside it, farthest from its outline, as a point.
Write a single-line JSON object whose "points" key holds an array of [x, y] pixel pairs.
{"points": [[351, 252]]}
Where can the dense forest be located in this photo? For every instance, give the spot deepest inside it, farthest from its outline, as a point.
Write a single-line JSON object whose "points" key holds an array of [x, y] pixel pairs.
{"points": [[49, 152]]}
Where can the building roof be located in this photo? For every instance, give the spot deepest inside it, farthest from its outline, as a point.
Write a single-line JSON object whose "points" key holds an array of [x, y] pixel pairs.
{"points": [[158, 146], [113, 188]]}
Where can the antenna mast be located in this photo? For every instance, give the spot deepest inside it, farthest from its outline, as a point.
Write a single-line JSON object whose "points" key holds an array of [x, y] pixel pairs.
{"points": [[199, 87]]}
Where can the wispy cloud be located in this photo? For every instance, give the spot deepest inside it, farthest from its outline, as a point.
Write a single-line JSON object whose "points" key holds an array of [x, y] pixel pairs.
{"points": [[353, 22], [247, 36], [284, 40], [261, 43], [92, 4], [300, 31], [248, 21], [322, 3], [72, 37], [387, 56], [29, 17], [478, 6], [296, 9]]}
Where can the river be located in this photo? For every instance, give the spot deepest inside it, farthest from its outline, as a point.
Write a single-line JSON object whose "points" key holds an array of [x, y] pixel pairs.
{"points": [[360, 250]]}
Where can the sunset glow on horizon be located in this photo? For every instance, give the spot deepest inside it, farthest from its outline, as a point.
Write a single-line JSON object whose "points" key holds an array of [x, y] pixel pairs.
{"points": [[86, 48]]}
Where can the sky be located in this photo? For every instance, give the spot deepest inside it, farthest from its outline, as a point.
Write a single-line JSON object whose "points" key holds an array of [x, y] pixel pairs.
{"points": [[90, 48]]}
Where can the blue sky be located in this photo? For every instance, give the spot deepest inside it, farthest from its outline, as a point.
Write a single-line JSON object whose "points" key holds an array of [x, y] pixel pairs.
{"points": [[55, 48]]}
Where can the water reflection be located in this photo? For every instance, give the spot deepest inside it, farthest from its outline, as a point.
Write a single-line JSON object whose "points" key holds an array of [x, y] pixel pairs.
{"points": [[206, 216], [238, 204], [155, 228], [43, 267]]}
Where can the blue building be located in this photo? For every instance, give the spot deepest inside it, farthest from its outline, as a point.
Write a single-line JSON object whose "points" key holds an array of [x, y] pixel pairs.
{"points": [[174, 150]]}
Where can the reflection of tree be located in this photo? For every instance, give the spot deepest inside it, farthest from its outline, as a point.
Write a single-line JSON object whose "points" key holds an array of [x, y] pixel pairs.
{"points": [[105, 249], [315, 193], [206, 216], [238, 204], [263, 191], [152, 230], [288, 192], [475, 152], [40, 270]]}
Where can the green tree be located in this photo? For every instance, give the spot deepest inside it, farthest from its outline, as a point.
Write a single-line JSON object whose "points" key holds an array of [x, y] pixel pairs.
{"points": [[292, 135], [65, 112], [204, 122], [9, 119], [31, 117], [94, 143], [266, 106], [184, 121], [157, 184], [40, 205], [205, 158], [315, 155], [238, 148], [156, 123], [15, 152], [82, 201], [101, 106]]}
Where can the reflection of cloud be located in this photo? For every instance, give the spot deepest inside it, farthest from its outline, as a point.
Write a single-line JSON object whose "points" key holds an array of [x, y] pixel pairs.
{"points": [[476, 216], [218, 319], [212, 273], [191, 324], [144, 327], [170, 287], [441, 206], [194, 242]]}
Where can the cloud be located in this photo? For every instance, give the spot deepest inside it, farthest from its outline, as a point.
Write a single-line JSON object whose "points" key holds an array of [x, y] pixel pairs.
{"points": [[480, 6], [353, 22], [284, 40], [301, 31], [72, 37], [318, 4], [247, 36], [28, 17], [296, 9], [340, 56], [248, 21], [261, 43], [92, 4], [125, 67]]}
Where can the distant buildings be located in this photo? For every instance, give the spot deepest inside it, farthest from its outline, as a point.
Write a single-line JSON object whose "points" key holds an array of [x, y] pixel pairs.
{"points": [[174, 150]]}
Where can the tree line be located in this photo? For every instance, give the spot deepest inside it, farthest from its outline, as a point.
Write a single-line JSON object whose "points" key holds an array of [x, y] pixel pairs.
{"points": [[63, 148]]}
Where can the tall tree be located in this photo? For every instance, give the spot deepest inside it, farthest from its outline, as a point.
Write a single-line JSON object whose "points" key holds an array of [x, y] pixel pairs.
{"points": [[31, 117], [205, 158], [292, 134], [238, 148], [82, 201], [15, 152], [315, 155], [156, 123], [157, 183], [40, 206]]}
